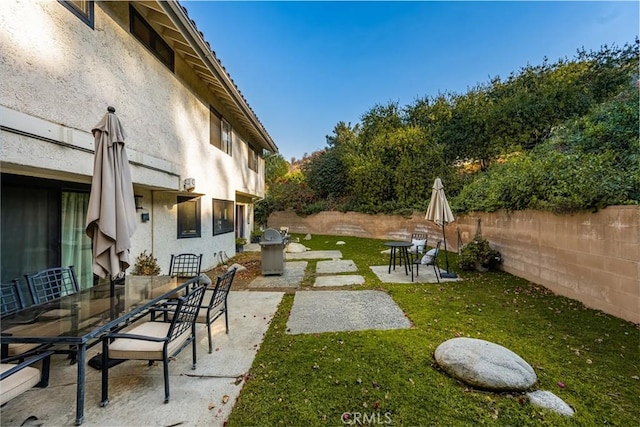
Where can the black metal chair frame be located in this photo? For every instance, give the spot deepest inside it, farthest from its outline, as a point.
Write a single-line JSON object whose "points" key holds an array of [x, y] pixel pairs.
{"points": [[416, 262], [52, 283], [185, 265], [184, 317], [420, 249], [218, 303], [11, 297], [28, 359]]}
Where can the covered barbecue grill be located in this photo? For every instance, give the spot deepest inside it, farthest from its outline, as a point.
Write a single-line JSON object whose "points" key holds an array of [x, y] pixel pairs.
{"points": [[272, 248]]}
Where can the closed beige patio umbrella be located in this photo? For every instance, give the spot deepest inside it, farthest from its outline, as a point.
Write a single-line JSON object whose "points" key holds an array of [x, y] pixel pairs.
{"points": [[439, 212], [111, 216]]}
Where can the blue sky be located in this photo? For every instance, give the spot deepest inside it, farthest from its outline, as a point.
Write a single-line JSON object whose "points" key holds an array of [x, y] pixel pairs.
{"points": [[305, 66]]}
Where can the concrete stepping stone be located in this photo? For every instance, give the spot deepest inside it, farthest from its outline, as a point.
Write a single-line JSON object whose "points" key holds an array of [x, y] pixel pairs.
{"points": [[335, 266], [314, 255], [334, 311], [292, 277], [341, 280]]}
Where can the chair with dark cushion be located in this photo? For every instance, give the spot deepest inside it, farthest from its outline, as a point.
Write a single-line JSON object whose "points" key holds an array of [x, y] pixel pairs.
{"points": [[52, 283], [15, 379], [155, 340], [11, 297], [430, 257], [215, 302], [185, 265]]}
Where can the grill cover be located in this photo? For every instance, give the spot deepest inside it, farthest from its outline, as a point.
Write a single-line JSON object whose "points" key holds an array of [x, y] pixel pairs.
{"points": [[271, 236]]}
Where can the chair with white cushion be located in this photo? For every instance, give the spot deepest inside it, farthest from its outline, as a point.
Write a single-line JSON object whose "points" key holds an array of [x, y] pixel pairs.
{"points": [[15, 379], [430, 257], [155, 340]]}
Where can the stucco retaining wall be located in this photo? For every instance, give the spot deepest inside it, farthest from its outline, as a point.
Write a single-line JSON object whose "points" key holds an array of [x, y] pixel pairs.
{"points": [[591, 257]]}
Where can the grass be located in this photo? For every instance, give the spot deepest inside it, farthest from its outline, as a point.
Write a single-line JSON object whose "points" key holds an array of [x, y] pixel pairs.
{"points": [[389, 377]]}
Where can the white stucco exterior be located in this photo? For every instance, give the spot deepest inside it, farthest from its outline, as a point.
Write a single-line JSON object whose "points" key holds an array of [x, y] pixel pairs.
{"points": [[58, 77]]}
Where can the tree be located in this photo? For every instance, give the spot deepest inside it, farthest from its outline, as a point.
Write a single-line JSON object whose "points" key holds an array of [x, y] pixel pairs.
{"points": [[275, 167]]}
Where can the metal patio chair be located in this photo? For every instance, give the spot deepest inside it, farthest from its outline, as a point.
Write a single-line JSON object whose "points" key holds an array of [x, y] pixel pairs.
{"points": [[11, 297], [155, 340], [15, 379], [433, 261], [185, 265], [52, 283], [215, 303]]}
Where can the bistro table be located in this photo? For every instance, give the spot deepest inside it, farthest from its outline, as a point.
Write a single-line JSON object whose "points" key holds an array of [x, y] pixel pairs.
{"points": [[78, 321], [404, 255]]}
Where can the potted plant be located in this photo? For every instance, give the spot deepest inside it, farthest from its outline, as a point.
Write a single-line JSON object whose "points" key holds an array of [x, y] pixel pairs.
{"points": [[477, 254], [240, 242], [256, 235], [146, 265]]}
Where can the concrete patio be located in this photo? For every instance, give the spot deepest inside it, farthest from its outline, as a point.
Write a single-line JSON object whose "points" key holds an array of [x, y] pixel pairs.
{"points": [[204, 396]]}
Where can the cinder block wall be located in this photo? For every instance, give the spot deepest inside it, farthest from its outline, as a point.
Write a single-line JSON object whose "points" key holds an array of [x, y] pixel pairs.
{"points": [[591, 257]]}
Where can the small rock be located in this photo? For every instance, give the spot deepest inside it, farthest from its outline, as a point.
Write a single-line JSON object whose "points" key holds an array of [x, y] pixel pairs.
{"points": [[386, 251], [238, 266], [307, 237], [340, 242], [548, 400], [485, 365], [294, 248]]}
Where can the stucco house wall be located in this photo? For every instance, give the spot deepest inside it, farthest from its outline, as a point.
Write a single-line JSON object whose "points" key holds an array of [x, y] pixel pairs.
{"points": [[58, 77]]}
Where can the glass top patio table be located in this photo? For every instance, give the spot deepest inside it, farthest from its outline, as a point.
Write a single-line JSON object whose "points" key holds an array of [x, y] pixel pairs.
{"points": [[80, 319]]}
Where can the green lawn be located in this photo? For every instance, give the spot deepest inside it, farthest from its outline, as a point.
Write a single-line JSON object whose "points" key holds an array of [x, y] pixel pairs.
{"points": [[389, 377]]}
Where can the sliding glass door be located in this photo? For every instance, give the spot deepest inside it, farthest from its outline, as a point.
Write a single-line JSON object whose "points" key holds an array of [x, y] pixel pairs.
{"points": [[42, 227]]}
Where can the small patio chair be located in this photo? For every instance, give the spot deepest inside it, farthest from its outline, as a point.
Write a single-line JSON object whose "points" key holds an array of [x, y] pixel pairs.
{"points": [[215, 302], [431, 260], [52, 283], [155, 340], [15, 379], [419, 243], [11, 297], [185, 265]]}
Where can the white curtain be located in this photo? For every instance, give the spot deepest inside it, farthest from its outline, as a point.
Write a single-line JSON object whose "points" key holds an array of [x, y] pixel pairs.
{"points": [[76, 245]]}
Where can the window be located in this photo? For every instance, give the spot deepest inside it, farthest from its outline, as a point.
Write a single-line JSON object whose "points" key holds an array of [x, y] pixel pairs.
{"points": [[222, 216], [188, 217], [220, 132], [253, 159], [215, 128], [227, 146], [83, 9], [148, 37]]}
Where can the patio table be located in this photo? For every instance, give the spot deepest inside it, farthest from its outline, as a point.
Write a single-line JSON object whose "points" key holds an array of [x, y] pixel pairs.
{"points": [[80, 319], [404, 254]]}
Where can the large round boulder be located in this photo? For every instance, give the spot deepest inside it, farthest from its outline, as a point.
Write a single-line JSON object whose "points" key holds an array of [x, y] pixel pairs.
{"points": [[485, 365]]}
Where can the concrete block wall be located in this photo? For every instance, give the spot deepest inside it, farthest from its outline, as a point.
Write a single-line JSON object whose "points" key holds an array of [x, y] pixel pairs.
{"points": [[591, 257]]}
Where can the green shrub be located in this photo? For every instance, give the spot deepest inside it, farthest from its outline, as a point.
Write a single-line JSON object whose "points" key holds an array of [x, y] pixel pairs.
{"points": [[478, 253]]}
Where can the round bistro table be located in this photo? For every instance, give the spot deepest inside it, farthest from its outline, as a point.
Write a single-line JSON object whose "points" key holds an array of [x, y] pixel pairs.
{"points": [[403, 247]]}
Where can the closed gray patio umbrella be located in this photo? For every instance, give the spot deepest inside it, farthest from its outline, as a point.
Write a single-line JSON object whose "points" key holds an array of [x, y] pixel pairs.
{"points": [[439, 212], [111, 216]]}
